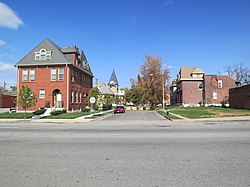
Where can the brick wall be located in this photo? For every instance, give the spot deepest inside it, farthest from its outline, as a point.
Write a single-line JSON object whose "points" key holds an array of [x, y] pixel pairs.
{"points": [[43, 81], [7, 101], [240, 97], [190, 93], [217, 89]]}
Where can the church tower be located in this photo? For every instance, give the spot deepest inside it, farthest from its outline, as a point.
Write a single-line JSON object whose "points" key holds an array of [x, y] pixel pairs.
{"points": [[113, 83]]}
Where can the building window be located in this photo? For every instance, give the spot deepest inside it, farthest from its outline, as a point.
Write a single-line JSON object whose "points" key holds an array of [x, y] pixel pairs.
{"points": [[43, 55], [53, 74], [200, 86], [76, 99], [42, 94], [82, 79], [72, 96], [219, 83], [60, 74], [25, 75], [80, 97], [72, 76], [214, 95], [32, 75]]}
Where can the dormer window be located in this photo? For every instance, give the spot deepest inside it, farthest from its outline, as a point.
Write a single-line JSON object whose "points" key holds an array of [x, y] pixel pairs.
{"points": [[43, 55]]}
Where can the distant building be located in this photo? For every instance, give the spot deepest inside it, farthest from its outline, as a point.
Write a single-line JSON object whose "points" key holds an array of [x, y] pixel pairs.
{"points": [[112, 88], [192, 87], [113, 83], [240, 97], [190, 84], [104, 89], [60, 77]]}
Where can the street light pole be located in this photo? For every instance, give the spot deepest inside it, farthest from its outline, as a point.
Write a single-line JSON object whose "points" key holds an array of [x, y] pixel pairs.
{"points": [[163, 91]]}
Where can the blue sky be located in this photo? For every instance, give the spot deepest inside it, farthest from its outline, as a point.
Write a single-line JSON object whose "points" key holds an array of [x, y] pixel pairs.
{"points": [[117, 34]]}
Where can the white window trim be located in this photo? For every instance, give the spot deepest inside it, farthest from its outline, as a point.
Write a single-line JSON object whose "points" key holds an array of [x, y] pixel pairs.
{"points": [[51, 75], [76, 99], [200, 83], [43, 95], [43, 52], [215, 96], [32, 80], [61, 74], [72, 97], [25, 75], [220, 84]]}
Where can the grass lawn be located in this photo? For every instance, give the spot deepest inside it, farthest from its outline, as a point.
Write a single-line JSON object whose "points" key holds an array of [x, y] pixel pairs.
{"points": [[14, 115], [169, 116], [208, 112]]}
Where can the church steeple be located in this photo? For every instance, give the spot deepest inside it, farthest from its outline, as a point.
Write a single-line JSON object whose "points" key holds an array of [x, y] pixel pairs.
{"points": [[113, 83]]}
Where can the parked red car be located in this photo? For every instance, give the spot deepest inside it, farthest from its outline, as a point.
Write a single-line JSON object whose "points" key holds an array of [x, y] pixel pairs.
{"points": [[119, 109]]}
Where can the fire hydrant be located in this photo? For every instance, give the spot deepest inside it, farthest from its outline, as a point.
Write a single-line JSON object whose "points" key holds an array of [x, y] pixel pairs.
{"points": [[167, 112]]}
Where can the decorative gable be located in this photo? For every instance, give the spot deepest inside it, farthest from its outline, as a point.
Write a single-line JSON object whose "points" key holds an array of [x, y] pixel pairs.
{"points": [[43, 54]]}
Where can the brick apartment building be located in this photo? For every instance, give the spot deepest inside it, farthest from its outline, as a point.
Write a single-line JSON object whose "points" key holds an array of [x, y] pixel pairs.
{"points": [[60, 77], [193, 87], [189, 86]]}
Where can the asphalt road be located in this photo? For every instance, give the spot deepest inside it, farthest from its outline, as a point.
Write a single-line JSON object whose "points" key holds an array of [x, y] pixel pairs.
{"points": [[132, 149]]}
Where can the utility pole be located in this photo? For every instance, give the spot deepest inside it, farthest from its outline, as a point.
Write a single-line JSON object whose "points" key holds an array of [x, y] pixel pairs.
{"points": [[4, 84]]}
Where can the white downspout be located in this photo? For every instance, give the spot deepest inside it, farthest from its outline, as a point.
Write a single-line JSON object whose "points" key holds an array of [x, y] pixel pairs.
{"points": [[67, 79], [17, 84]]}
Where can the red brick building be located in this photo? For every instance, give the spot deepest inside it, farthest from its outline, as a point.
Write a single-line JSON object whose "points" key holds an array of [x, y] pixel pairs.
{"points": [[240, 97], [217, 89], [60, 77], [189, 85], [192, 87]]}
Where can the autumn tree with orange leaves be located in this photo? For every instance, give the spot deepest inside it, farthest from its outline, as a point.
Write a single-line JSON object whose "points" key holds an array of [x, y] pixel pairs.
{"points": [[151, 80]]}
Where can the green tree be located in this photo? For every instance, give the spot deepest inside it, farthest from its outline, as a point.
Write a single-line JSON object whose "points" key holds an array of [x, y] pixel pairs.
{"points": [[108, 99], [117, 100], [134, 95], [26, 98], [94, 92]]}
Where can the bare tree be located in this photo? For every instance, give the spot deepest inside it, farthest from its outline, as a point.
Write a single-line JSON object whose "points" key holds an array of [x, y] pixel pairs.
{"points": [[240, 72]]}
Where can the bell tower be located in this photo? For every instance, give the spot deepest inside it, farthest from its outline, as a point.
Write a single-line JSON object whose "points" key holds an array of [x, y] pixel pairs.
{"points": [[113, 83]]}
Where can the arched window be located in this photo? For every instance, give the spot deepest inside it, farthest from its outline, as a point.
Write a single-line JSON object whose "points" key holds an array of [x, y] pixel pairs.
{"points": [[43, 55], [80, 97], [76, 97], [72, 96]]}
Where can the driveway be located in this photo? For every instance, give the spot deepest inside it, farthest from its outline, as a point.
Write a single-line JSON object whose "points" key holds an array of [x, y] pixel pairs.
{"points": [[135, 115]]}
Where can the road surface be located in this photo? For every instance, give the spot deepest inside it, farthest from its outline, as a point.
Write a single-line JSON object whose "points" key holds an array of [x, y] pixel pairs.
{"points": [[137, 148]]}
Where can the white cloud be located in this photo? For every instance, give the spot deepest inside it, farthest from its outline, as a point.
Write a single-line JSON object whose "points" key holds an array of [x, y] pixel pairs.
{"points": [[171, 67], [168, 2], [2, 43], [6, 66], [8, 17]]}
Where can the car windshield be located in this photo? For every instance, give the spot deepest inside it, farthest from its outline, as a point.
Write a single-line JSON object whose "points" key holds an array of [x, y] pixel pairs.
{"points": [[120, 107]]}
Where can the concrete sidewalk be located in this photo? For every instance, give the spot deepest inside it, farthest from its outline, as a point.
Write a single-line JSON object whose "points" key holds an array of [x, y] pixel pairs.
{"points": [[235, 118]]}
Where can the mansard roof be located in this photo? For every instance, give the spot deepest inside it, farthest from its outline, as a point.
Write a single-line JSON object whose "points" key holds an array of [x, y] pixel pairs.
{"points": [[59, 56], [113, 79]]}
